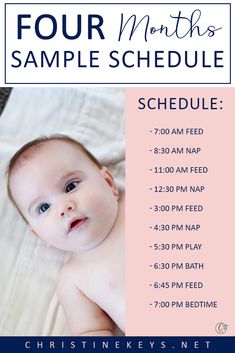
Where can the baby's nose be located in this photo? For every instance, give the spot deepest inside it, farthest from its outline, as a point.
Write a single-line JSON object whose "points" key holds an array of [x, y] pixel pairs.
{"points": [[68, 207]]}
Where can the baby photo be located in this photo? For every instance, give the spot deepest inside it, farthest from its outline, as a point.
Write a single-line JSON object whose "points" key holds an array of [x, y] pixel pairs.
{"points": [[63, 212]]}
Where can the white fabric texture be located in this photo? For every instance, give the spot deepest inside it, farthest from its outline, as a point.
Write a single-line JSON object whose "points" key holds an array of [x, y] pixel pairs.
{"points": [[28, 269]]}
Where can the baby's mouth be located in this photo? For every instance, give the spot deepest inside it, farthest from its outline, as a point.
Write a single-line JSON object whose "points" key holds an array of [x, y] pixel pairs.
{"points": [[76, 223]]}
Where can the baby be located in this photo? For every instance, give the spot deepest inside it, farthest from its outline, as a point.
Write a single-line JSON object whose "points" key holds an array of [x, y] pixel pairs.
{"points": [[71, 202]]}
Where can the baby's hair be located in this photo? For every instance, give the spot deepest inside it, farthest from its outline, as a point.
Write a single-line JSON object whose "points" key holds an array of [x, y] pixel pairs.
{"points": [[27, 151]]}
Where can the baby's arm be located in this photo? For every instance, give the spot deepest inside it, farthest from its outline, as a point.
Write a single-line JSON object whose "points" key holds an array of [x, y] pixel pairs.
{"points": [[84, 317]]}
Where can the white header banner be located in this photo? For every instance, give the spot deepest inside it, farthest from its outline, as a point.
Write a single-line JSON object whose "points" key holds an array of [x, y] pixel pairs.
{"points": [[121, 43]]}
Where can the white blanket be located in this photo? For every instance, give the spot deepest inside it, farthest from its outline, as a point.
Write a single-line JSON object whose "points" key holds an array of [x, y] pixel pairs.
{"points": [[28, 269]]}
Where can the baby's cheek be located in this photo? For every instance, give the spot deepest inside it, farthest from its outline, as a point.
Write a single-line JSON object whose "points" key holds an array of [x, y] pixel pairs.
{"points": [[100, 199], [96, 202], [45, 230]]}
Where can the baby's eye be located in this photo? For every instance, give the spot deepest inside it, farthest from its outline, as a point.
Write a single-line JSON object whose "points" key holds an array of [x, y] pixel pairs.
{"points": [[43, 208], [72, 185]]}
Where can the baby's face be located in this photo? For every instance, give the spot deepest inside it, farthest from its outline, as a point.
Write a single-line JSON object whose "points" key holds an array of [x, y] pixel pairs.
{"points": [[67, 200]]}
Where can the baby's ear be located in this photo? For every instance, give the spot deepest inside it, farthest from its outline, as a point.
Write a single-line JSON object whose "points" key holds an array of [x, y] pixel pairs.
{"points": [[109, 179]]}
